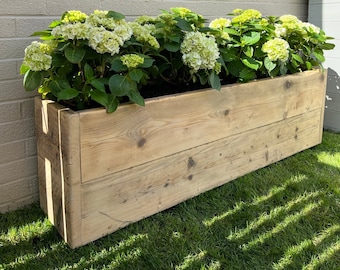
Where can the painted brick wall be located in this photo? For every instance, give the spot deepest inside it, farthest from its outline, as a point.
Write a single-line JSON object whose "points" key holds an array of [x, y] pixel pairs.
{"points": [[325, 14], [19, 19]]}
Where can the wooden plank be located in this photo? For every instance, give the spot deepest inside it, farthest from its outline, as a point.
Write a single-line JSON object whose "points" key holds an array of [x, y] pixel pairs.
{"points": [[134, 135], [59, 168], [115, 201]]}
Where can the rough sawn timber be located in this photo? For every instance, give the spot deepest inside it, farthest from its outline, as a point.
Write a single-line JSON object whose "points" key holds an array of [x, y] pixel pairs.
{"points": [[99, 172]]}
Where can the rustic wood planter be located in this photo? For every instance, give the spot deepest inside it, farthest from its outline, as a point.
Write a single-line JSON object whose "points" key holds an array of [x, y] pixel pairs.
{"points": [[100, 172]]}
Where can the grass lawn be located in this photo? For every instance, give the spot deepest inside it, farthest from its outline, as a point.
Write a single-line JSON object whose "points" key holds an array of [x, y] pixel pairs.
{"points": [[285, 216]]}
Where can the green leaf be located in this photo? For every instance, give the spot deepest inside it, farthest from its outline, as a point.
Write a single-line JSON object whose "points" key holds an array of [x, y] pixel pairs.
{"points": [[183, 24], [58, 85], [214, 80], [32, 80], [269, 65], [136, 97], [309, 65], [54, 24], [67, 93], [136, 75], [99, 97], [23, 69], [319, 55], [250, 38], [45, 33], [297, 58], [89, 74], [229, 54], [251, 63], [248, 51], [247, 74], [112, 104], [148, 62], [99, 84], [115, 15], [121, 85], [117, 65], [172, 46], [326, 46], [74, 55], [231, 31]]}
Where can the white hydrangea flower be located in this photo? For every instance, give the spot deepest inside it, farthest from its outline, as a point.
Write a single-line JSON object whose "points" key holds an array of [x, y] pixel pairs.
{"points": [[199, 51], [72, 31], [37, 56], [104, 41]]}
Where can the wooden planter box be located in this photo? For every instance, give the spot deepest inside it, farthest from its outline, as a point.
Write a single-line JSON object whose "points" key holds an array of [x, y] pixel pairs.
{"points": [[100, 172]]}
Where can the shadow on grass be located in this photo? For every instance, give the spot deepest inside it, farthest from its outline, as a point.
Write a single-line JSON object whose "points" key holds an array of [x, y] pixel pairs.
{"points": [[285, 216]]}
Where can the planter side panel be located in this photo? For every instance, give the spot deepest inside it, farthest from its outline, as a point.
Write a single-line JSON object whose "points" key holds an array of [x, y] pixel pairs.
{"points": [[135, 135], [117, 200], [57, 132]]}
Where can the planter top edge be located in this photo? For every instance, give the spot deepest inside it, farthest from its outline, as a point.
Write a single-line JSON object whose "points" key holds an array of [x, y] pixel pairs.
{"points": [[188, 93]]}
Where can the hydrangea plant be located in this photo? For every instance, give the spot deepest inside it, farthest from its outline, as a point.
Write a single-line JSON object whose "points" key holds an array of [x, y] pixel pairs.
{"points": [[101, 59]]}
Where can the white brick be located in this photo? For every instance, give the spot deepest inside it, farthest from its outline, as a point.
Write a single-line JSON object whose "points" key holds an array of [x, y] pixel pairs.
{"points": [[13, 48], [128, 8], [13, 171], [16, 131], [10, 112], [31, 147], [12, 151], [57, 7], [8, 69], [13, 90], [27, 108], [26, 26], [7, 27], [13, 205], [16, 190], [16, 110], [20, 7]]}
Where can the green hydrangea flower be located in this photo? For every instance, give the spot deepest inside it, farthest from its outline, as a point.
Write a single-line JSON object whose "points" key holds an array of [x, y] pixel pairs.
{"points": [[220, 23], [73, 16], [144, 33], [132, 60], [290, 23], [276, 49], [246, 16]]}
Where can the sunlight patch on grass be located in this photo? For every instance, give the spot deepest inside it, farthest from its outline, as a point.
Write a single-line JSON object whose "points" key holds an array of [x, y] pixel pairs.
{"points": [[190, 259], [26, 232], [295, 250], [238, 207], [323, 257], [329, 159], [281, 226], [276, 212]]}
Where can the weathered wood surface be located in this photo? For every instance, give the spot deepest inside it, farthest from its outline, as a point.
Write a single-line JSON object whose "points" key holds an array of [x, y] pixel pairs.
{"points": [[59, 168], [141, 191], [104, 171], [165, 126]]}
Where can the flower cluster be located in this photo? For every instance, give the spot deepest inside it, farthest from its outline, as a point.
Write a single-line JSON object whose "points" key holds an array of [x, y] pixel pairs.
{"points": [[246, 15], [277, 49], [199, 51], [100, 59], [38, 56]]}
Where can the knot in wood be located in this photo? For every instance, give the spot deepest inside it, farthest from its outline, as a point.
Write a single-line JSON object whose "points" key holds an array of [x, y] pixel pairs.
{"points": [[191, 163], [288, 84], [141, 142]]}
